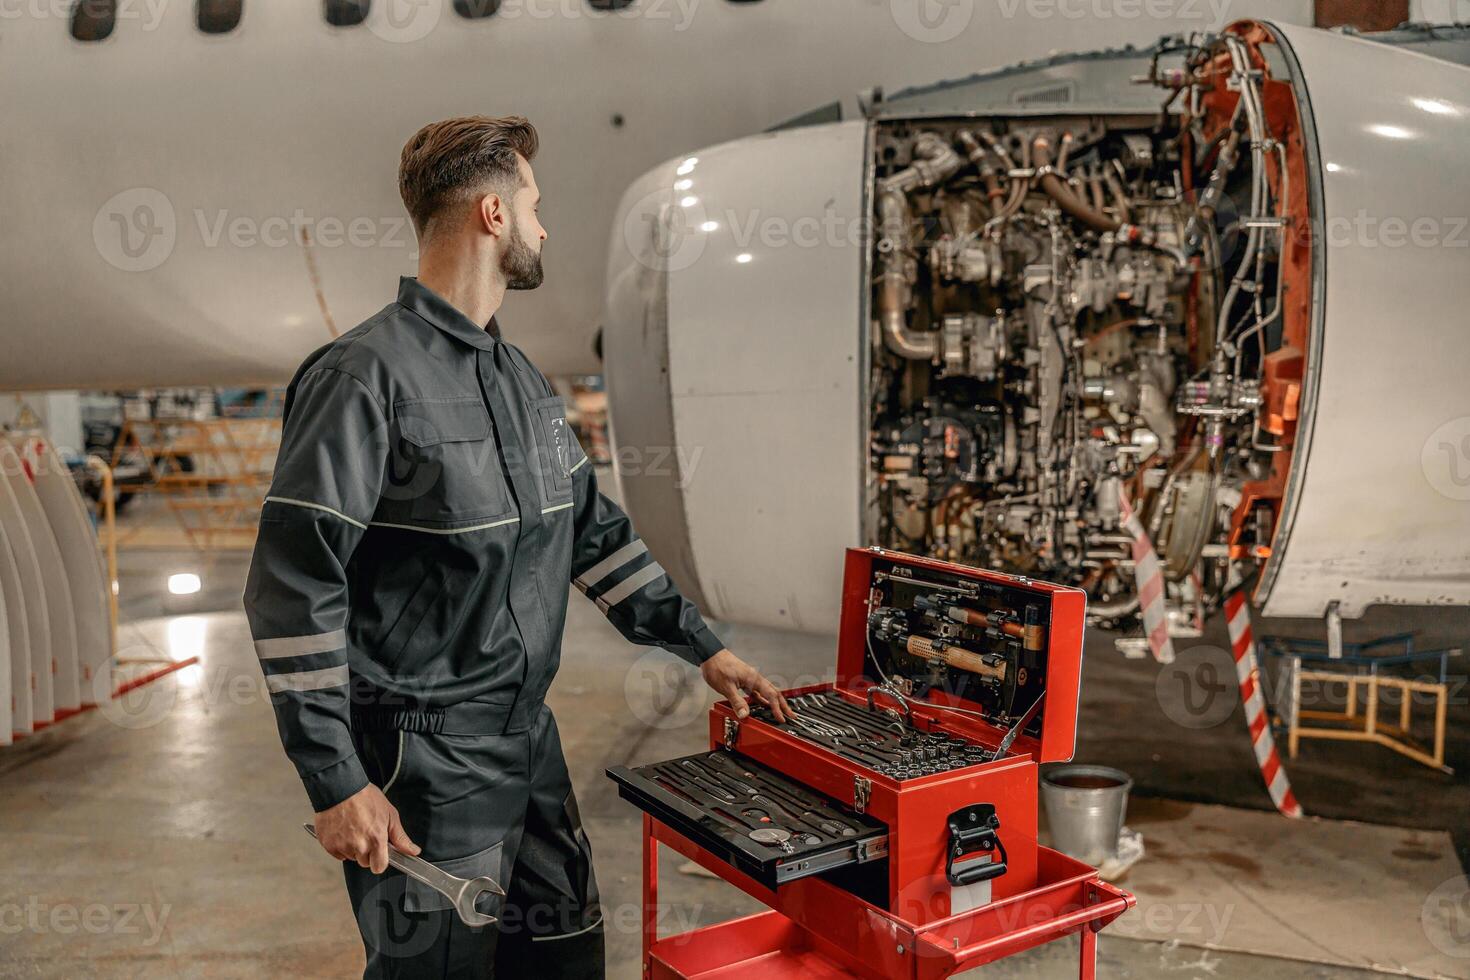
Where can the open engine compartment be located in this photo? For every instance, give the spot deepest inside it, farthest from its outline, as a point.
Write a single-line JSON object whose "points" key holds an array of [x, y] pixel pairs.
{"points": [[1069, 311]]}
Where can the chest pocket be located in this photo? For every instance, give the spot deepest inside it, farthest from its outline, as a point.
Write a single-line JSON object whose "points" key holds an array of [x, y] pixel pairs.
{"points": [[556, 450], [444, 462]]}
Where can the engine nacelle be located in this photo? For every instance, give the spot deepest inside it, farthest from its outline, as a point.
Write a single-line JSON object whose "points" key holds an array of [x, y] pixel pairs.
{"points": [[971, 322]]}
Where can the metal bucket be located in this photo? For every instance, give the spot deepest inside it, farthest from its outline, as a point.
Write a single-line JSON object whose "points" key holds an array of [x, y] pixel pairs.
{"points": [[1085, 807]]}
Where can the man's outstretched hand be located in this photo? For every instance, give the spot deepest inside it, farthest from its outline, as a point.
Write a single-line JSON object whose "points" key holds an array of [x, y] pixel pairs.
{"points": [[361, 828], [734, 678]]}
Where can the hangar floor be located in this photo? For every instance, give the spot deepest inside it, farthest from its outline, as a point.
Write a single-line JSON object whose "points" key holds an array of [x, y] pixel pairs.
{"points": [[162, 837]]}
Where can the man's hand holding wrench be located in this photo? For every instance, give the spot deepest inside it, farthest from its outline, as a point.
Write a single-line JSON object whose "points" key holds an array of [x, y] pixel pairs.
{"points": [[362, 828]]}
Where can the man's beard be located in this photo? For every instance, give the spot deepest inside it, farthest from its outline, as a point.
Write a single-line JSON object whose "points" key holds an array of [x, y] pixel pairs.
{"points": [[520, 264]]}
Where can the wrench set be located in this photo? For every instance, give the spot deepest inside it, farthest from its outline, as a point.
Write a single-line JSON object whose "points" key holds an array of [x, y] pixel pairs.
{"points": [[770, 826], [774, 812]]}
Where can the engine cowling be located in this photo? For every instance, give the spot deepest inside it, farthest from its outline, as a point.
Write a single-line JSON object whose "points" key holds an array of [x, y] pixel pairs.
{"points": [[965, 334]]}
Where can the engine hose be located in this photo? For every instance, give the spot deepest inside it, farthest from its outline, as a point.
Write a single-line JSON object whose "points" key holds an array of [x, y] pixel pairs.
{"points": [[1063, 153], [994, 191], [1120, 195], [1056, 189]]}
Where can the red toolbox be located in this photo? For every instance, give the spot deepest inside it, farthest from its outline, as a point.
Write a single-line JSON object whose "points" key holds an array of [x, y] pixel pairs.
{"points": [[891, 826]]}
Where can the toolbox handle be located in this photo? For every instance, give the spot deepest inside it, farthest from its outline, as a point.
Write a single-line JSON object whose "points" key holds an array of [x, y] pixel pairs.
{"points": [[974, 829], [1109, 904]]}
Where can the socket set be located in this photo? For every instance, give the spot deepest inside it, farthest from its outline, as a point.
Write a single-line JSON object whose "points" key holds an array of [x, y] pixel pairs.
{"points": [[879, 738]]}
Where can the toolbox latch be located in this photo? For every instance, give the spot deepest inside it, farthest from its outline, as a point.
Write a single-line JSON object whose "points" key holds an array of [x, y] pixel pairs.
{"points": [[732, 733], [974, 830], [862, 791]]}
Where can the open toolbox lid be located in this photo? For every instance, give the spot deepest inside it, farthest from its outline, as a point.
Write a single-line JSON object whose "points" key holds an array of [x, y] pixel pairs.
{"points": [[949, 634]]}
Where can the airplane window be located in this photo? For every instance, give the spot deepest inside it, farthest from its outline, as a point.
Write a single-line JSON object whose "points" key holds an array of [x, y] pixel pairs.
{"points": [[93, 20], [217, 16], [476, 9], [345, 13]]}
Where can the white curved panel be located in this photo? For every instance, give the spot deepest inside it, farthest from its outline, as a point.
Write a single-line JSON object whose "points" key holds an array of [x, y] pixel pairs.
{"points": [[77, 542], [65, 669], [1380, 511], [7, 698], [33, 597], [733, 356], [17, 637]]}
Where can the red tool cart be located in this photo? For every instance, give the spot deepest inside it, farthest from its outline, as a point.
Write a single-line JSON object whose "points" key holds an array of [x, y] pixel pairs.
{"points": [[891, 826]]}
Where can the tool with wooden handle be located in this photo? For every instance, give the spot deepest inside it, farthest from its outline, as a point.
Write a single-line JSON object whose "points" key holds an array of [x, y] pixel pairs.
{"points": [[957, 657]]}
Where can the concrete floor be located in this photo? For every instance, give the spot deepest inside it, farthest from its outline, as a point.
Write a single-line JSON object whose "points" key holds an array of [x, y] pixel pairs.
{"points": [[161, 837]]}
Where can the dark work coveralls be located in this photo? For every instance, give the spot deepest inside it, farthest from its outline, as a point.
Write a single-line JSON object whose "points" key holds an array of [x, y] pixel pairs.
{"points": [[407, 596]]}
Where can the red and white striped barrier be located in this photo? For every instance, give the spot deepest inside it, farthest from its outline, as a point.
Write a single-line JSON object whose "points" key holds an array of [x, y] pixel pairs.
{"points": [[1248, 671], [1150, 576]]}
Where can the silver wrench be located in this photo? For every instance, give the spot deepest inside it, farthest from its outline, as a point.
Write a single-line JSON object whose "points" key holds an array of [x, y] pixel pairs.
{"points": [[463, 892]]}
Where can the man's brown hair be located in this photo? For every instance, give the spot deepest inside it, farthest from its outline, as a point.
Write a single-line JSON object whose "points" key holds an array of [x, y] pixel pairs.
{"points": [[454, 158]]}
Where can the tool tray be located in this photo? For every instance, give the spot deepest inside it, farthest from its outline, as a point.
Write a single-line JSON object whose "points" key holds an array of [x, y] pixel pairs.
{"points": [[768, 826], [879, 738]]}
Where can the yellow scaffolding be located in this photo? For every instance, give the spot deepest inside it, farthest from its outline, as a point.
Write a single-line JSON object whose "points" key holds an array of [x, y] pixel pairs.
{"points": [[212, 473]]}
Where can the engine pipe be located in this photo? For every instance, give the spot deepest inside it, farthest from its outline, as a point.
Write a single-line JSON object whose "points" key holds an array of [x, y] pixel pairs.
{"points": [[978, 156], [1056, 188], [936, 162]]}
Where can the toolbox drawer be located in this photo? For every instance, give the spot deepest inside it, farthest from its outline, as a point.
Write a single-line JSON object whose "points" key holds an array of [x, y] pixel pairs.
{"points": [[764, 824]]}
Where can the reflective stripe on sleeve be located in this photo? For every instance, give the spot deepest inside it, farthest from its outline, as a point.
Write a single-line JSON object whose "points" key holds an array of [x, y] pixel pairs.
{"points": [[629, 585], [610, 564], [300, 646], [307, 680]]}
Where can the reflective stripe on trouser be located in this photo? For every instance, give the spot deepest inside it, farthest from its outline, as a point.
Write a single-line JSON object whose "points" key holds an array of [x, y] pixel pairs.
{"points": [[482, 804]]}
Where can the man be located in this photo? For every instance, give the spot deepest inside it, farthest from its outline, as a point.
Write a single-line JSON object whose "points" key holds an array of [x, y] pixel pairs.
{"points": [[408, 589]]}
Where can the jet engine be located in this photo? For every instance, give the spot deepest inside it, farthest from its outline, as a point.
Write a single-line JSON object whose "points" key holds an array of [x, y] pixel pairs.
{"points": [[1071, 312], [1093, 298]]}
